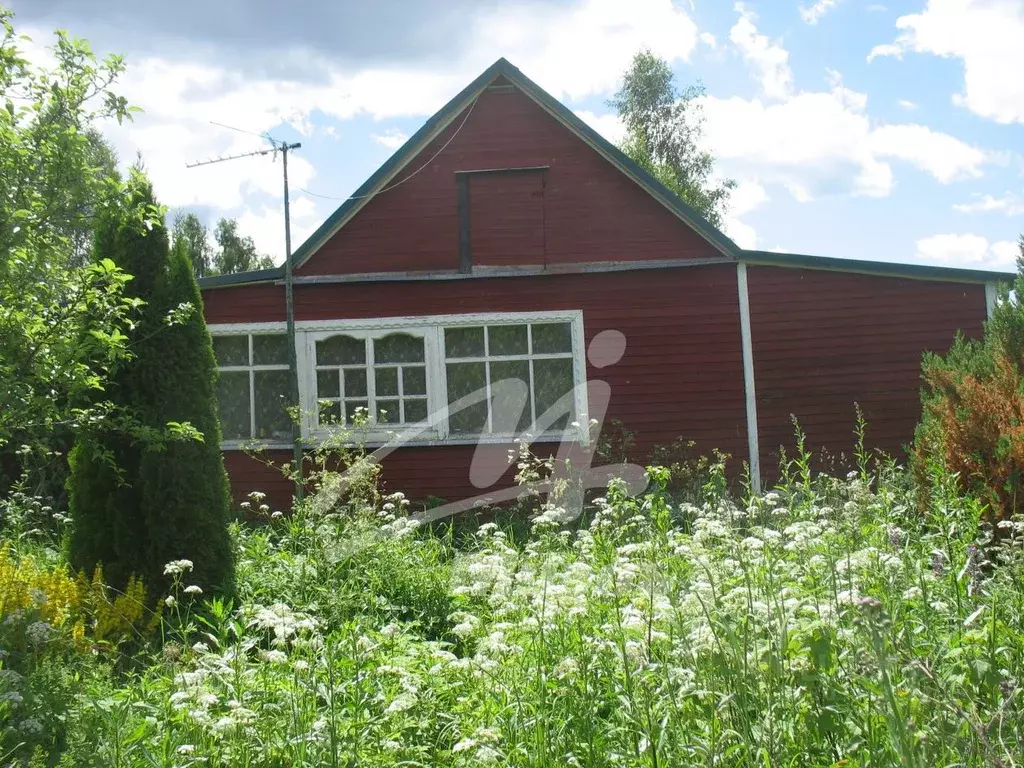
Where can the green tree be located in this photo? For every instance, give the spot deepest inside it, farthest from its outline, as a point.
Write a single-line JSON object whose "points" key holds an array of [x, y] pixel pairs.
{"points": [[664, 127], [141, 500], [195, 239], [62, 326], [237, 252]]}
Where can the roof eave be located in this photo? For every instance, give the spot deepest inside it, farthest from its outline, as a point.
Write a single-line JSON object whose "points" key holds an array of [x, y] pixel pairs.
{"points": [[884, 268], [241, 278]]}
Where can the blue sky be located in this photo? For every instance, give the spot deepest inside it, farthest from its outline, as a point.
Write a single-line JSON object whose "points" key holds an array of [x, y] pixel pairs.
{"points": [[876, 130]]}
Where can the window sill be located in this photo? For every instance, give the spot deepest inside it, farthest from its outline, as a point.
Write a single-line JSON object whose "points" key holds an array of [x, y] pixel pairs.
{"points": [[310, 444]]}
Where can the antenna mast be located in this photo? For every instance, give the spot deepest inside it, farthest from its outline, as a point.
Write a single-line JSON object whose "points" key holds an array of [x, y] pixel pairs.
{"points": [[289, 300]]}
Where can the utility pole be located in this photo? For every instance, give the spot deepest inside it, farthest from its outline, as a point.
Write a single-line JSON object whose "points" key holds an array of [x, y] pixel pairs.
{"points": [[289, 310], [289, 299]]}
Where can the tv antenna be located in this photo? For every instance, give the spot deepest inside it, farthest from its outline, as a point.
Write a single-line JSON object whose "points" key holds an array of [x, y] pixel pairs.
{"points": [[282, 147]]}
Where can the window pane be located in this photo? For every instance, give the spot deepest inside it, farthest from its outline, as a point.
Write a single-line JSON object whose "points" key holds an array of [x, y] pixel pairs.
{"points": [[507, 340], [386, 381], [387, 412], [329, 412], [465, 379], [398, 348], [355, 382], [233, 405], [355, 411], [271, 400], [327, 384], [270, 349], [231, 350], [552, 337], [464, 342], [415, 410], [510, 396], [414, 380], [552, 379], [341, 350]]}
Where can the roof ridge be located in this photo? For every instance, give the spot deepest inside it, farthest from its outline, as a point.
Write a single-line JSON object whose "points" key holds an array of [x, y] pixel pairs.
{"points": [[444, 116]]}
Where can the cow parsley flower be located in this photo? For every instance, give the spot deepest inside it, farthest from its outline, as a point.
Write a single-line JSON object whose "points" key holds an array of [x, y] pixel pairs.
{"points": [[177, 567]]}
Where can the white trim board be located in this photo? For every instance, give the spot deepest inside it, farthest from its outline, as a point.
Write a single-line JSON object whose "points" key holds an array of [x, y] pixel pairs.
{"points": [[753, 447]]}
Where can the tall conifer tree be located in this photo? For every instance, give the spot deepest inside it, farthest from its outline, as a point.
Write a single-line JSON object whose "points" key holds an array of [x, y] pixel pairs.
{"points": [[142, 499]]}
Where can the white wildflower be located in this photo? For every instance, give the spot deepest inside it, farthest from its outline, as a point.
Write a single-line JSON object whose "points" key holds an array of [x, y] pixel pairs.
{"points": [[567, 667], [177, 567], [401, 703], [31, 727], [37, 633]]}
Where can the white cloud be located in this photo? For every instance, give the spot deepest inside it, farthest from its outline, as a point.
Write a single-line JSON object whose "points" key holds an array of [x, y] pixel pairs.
{"points": [[944, 157], [265, 225], [769, 61], [574, 51], [1010, 204], [907, 105], [987, 36], [747, 196], [822, 142], [972, 251], [392, 138], [608, 125], [812, 14], [709, 40], [885, 50]]}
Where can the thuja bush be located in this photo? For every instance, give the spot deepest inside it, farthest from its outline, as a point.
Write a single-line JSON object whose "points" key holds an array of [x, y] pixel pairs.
{"points": [[973, 398], [157, 492], [824, 623]]}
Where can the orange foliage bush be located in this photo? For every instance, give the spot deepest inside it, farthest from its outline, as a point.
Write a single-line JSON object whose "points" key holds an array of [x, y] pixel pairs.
{"points": [[973, 410], [977, 430]]}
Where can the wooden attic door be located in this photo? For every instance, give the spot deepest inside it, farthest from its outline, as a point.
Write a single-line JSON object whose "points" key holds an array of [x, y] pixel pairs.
{"points": [[506, 217]]}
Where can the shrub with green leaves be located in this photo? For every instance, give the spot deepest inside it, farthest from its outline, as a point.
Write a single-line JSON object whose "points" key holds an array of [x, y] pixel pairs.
{"points": [[157, 493]]}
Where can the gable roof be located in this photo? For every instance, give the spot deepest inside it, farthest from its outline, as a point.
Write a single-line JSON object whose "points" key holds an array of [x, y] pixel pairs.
{"points": [[502, 68]]}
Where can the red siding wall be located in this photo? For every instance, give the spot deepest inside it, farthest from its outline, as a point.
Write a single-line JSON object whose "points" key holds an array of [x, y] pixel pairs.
{"points": [[506, 219], [589, 211], [825, 340], [681, 374]]}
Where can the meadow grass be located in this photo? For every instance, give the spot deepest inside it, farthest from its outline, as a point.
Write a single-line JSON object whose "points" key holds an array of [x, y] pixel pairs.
{"points": [[827, 622]]}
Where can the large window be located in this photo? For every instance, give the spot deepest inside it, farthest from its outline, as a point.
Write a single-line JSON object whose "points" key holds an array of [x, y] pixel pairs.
{"points": [[453, 378], [253, 388], [524, 371]]}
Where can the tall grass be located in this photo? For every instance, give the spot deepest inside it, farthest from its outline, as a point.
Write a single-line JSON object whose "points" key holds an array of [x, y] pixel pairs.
{"points": [[824, 623]]}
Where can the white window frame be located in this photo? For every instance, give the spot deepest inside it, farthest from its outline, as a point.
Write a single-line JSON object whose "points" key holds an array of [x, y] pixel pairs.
{"points": [[249, 330], [306, 339], [431, 327]]}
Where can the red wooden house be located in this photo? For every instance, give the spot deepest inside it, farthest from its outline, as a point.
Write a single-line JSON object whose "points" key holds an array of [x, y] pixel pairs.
{"points": [[466, 292]]}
